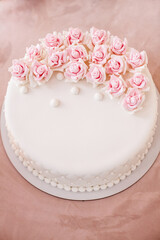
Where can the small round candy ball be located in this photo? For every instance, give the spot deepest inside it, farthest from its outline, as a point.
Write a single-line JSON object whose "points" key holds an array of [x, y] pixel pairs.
{"points": [[24, 89], [54, 102], [75, 90], [98, 96], [60, 76]]}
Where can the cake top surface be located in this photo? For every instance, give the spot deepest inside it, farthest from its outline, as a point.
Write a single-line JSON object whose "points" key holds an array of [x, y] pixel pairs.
{"points": [[100, 58]]}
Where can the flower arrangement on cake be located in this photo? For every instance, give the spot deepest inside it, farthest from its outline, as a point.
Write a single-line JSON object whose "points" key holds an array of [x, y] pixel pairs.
{"points": [[97, 56]]}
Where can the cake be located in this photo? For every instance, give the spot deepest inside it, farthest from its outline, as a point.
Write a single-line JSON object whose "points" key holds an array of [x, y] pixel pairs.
{"points": [[81, 109]]}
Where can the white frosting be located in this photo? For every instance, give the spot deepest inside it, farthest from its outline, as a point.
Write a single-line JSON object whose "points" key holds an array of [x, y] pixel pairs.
{"points": [[75, 90], [83, 139]]}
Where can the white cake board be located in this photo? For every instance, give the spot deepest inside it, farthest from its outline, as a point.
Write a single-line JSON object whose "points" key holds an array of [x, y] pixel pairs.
{"points": [[124, 184]]}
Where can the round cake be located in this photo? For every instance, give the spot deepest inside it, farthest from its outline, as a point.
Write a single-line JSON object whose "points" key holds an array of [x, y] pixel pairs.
{"points": [[81, 109]]}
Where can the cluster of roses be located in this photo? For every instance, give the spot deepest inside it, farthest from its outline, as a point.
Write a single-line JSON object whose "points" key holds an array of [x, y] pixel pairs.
{"points": [[95, 55]]}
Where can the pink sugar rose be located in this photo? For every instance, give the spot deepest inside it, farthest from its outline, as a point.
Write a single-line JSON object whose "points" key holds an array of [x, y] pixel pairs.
{"points": [[133, 100], [57, 59], [19, 71], [136, 59], [75, 70], [35, 53], [39, 73], [74, 36], [118, 46], [96, 75], [100, 54], [139, 81], [115, 86], [76, 52], [53, 40], [98, 36], [116, 65]]}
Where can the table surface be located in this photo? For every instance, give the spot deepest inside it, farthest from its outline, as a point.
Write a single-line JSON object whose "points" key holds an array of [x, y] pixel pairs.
{"points": [[26, 212]]}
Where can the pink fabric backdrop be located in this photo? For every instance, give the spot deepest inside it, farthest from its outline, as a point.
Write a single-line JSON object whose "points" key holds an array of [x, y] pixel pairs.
{"points": [[29, 214]]}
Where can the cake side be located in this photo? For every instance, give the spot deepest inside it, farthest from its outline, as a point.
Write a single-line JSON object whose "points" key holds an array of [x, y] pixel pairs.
{"points": [[80, 184]]}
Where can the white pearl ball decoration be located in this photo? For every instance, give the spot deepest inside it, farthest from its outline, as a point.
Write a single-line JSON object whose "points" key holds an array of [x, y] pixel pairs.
{"points": [[98, 96], [75, 90], [24, 89], [54, 102], [60, 76]]}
